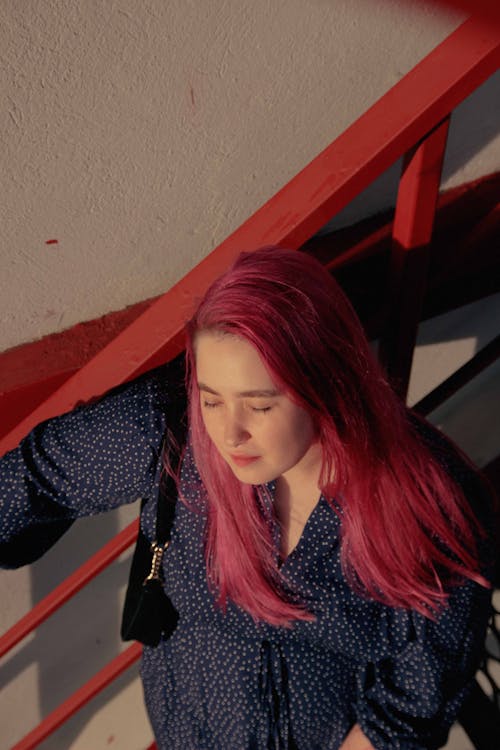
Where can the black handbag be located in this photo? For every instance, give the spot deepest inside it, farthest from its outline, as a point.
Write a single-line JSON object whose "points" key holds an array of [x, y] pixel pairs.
{"points": [[148, 614]]}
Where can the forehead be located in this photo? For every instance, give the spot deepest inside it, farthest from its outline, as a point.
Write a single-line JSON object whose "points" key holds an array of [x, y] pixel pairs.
{"points": [[229, 363]]}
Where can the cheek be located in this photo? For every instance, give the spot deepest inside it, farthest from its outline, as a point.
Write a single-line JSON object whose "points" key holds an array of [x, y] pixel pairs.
{"points": [[209, 424], [204, 419], [214, 425], [301, 431]]}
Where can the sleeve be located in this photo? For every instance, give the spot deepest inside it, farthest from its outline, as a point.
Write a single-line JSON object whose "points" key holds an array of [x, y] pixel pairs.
{"points": [[409, 700], [91, 460]]}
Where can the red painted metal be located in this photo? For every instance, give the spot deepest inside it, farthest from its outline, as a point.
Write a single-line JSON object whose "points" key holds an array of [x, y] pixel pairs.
{"points": [[363, 248], [18, 402], [488, 9], [70, 349], [419, 189], [69, 587], [411, 236], [384, 133], [82, 696], [465, 237]]}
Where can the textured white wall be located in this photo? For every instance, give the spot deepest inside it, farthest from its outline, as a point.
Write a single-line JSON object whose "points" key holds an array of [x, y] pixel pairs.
{"points": [[140, 134]]}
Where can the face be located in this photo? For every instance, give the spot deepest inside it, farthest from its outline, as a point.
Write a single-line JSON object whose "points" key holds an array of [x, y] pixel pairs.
{"points": [[256, 427]]}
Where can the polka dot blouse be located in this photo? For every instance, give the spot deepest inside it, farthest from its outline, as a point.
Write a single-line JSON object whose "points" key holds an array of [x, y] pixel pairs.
{"points": [[223, 682]]}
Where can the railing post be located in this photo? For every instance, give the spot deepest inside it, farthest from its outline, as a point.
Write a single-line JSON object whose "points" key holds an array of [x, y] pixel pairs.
{"points": [[411, 236]]}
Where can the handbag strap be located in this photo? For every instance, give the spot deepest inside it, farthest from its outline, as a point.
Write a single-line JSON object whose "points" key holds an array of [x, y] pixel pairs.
{"points": [[172, 449]]}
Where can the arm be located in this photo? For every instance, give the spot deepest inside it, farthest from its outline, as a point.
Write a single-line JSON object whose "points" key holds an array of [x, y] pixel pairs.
{"points": [[90, 460], [408, 700]]}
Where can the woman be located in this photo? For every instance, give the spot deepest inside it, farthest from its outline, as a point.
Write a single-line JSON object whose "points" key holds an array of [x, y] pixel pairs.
{"points": [[326, 562]]}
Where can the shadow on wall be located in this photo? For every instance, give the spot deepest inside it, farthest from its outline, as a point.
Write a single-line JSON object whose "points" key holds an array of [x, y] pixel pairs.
{"points": [[474, 124], [479, 320], [83, 636], [471, 417]]}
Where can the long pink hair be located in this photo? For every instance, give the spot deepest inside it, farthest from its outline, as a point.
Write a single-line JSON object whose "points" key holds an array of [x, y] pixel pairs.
{"points": [[407, 529]]}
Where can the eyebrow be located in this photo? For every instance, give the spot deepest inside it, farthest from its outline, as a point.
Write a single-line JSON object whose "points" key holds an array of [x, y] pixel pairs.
{"points": [[260, 393]]}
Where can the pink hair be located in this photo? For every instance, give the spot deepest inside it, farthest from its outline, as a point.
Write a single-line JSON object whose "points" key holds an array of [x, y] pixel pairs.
{"points": [[407, 529]]}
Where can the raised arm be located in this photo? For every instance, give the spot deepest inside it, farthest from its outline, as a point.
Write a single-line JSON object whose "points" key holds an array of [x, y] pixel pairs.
{"points": [[85, 462]]}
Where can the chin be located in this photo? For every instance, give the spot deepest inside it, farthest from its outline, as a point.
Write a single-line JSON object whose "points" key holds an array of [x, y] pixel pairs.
{"points": [[252, 475]]}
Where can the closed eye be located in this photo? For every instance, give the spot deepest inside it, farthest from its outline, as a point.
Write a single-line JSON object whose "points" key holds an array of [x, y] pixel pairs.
{"points": [[211, 404]]}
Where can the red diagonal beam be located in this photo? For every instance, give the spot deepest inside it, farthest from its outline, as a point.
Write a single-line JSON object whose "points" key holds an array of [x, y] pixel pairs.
{"points": [[384, 133], [69, 587], [82, 696]]}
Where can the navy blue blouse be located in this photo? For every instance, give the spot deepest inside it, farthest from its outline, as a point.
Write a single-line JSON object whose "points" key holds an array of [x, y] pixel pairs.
{"points": [[222, 681]]}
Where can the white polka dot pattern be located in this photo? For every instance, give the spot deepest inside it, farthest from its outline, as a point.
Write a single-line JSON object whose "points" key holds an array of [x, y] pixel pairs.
{"points": [[223, 682]]}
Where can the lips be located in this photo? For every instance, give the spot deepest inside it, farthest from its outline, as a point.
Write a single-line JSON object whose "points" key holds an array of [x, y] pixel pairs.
{"points": [[244, 460]]}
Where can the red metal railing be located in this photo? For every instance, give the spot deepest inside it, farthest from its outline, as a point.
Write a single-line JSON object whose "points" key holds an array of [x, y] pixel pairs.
{"points": [[82, 696], [69, 587], [387, 131], [411, 236], [412, 120]]}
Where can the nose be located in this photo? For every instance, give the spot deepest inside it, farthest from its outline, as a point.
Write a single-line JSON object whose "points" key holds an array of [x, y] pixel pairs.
{"points": [[235, 432]]}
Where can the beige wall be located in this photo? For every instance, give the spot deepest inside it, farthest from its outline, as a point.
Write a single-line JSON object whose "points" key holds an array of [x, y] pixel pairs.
{"points": [[140, 134]]}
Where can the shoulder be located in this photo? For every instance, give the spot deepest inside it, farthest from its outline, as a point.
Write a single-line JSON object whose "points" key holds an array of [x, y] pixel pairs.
{"points": [[141, 404]]}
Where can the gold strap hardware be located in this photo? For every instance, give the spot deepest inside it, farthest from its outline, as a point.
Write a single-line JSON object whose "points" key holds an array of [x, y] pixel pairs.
{"points": [[155, 574]]}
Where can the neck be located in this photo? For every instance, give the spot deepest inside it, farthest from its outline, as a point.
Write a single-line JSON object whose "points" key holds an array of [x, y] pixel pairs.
{"points": [[297, 491], [297, 494]]}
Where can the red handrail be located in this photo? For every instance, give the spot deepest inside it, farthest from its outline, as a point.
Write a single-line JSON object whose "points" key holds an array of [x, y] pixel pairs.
{"points": [[409, 111], [424, 97], [82, 696], [69, 587]]}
